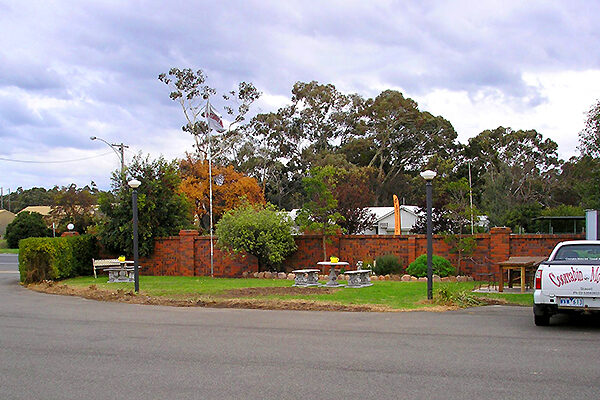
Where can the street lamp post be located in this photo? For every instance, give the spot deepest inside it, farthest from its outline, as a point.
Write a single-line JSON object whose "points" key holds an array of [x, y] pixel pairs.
{"points": [[428, 176], [120, 152], [134, 183]]}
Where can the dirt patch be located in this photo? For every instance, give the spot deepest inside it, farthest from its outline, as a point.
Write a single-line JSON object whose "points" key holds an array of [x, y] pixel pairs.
{"points": [[237, 298], [268, 291]]}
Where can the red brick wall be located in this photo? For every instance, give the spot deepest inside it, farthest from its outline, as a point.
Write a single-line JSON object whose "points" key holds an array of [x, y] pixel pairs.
{"points": [[189, 254]]}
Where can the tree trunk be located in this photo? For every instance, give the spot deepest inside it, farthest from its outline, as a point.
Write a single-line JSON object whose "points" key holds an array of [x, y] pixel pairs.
{"points": [[324, 249]]}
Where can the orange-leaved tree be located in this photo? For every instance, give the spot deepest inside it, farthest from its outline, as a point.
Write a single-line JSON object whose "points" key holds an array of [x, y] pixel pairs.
{"points": [[230, 189]]}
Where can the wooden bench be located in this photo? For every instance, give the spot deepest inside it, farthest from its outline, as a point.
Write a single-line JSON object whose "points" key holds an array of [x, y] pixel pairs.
{"points": [[118, 271], [104, 264]]}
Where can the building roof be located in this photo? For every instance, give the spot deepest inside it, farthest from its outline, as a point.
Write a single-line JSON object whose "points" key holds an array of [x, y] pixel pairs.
{"points": [[44, 210]]}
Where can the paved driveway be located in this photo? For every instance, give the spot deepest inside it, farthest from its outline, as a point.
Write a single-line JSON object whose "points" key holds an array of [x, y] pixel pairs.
{"points": [[55, 347]]}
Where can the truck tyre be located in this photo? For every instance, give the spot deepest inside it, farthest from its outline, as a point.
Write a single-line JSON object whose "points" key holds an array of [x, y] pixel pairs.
{"points": [[542, 320]]}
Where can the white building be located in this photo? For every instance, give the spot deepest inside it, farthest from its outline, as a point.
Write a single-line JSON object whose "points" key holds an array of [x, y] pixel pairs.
{"points": [[385, 220]]}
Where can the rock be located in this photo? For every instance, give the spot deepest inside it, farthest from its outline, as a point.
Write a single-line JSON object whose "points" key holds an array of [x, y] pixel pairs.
{"points": [[414, 279], [470, 278], [282, 275], [256, 274], [436, 278], [445, 279], [341, 277], [405, 278], [460, 278], [267, 275], [291, 276], [387, 277], [452, 279], [245, 274], [423, 279], [395, 277]]}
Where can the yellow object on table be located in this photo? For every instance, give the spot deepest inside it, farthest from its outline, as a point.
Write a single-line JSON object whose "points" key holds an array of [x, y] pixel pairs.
{"points": [[334, 259], [121, 258]]}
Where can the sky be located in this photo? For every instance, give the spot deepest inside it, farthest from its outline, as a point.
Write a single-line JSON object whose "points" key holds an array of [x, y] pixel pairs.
{"points": [[70, 70]]}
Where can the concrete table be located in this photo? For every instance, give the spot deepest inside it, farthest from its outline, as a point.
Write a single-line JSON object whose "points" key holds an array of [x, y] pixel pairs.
{"points": [[332, 282]]}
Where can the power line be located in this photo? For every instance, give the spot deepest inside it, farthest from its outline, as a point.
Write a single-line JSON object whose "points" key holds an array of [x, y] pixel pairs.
{"points": [[53, 162]]}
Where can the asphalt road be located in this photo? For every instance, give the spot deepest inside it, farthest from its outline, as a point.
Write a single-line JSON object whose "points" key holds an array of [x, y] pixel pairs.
{"points": [[56, 347]]}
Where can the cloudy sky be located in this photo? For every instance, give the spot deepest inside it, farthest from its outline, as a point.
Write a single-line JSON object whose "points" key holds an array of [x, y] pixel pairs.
{"points": [[74, 69]]}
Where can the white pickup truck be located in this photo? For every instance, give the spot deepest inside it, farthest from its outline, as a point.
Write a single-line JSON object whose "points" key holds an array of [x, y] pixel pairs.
{"points": [[569, 281]]}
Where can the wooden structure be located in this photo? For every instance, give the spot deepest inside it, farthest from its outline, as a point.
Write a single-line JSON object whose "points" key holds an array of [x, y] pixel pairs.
{"points": [[523, 264]]}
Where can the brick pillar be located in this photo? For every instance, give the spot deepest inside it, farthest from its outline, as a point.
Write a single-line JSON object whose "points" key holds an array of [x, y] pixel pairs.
{"points": [[412, 248], [186, 252], [499, 246]]}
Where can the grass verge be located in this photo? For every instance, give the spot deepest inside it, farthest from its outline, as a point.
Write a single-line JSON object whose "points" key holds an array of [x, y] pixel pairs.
{"points": [[280, 294]]}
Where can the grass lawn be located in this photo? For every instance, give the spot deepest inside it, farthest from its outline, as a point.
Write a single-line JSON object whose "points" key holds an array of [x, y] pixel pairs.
{"points": [[4, 248], [391, 294]]}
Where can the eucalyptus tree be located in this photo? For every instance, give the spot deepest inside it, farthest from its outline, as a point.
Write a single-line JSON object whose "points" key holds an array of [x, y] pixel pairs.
{"points": [[189, 88], [513, 168]]}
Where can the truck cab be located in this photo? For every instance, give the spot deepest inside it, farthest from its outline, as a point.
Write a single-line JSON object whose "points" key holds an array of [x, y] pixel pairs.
{"points": [[569, 281]]}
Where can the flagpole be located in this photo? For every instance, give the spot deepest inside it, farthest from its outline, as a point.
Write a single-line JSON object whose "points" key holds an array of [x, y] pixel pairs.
{"points": [[210, 190]]}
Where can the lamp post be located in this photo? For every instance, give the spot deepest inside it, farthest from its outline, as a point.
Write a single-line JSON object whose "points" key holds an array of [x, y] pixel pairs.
{"points": [[134, 183], [428, 175], [120, 152]]}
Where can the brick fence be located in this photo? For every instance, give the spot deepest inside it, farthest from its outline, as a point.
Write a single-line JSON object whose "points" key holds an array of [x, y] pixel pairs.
{"points": [[189, 254]]}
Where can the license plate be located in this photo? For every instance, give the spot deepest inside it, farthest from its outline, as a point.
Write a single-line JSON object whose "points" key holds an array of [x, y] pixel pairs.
{"points": [[571, 302]]}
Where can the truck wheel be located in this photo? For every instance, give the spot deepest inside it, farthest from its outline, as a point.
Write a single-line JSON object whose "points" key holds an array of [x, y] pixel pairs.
{"points": [[542, 320]]}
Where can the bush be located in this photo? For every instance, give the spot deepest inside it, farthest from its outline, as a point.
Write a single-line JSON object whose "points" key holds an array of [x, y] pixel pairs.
{"points": [[25, 225], [258, 230], [56, 258], [439, 265], [387, 264]]}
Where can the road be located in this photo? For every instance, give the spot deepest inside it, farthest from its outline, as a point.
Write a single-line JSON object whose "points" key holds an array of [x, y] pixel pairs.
{"points": [[57, 347]]}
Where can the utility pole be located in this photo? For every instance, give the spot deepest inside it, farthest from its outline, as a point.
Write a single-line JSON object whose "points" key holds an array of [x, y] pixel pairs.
{"points": [[118, 148]]}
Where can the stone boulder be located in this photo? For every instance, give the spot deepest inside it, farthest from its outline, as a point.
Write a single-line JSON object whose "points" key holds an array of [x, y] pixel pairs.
{"points": [[245, 274], [267, 275], [436, 278], [256, 274], [405, 278], [282, 275], [423, 279], [291, 276], [414, 279]]}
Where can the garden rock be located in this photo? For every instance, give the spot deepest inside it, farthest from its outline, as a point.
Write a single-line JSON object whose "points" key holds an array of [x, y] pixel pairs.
{"points": [[436, 278], [422, 279], [405, 278], [267, 275], [291, 276], [282, 275]]}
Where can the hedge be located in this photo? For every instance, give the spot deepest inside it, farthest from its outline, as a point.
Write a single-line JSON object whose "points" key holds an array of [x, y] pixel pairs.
{"points": [[439, 265], [56, 258]]}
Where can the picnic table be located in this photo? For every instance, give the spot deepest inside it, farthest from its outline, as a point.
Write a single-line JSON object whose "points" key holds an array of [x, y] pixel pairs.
{"points": [[332, 282], [523, 264], [118, 271]]}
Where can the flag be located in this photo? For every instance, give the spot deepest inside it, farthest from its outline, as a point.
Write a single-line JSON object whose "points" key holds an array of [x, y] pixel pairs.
{"points": [[213, 119]]}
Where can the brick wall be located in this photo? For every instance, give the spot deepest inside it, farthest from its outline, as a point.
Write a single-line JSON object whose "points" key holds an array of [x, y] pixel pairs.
{"points": [[189, 254]]}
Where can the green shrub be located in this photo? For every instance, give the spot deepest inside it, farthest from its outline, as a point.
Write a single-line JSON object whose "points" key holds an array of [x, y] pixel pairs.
{"points": [[387, 264], [439, 265], [25, 225], [56, 258]]}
